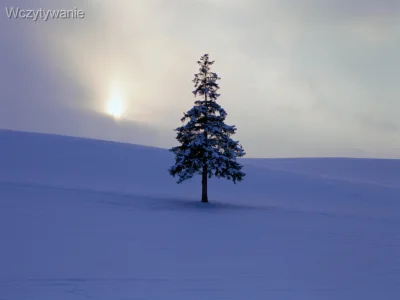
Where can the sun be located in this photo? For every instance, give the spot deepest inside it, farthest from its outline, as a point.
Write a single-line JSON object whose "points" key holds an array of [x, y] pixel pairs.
{"points": [[115, 107]]}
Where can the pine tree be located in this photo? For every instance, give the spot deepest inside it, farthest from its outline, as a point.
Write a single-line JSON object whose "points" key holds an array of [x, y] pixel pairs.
{"points": [[206, 147]]}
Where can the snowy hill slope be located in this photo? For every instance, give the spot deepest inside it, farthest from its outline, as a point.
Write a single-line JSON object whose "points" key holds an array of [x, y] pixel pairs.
{"points": [[88, 219], [383, 172], [315, 184]]}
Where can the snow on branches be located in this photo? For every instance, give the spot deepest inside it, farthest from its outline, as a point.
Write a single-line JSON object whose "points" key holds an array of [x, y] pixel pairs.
{"points": [[205, 139]]}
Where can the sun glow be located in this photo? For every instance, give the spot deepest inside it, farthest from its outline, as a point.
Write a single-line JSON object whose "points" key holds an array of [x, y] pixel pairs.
{"points": [[115, 105]]}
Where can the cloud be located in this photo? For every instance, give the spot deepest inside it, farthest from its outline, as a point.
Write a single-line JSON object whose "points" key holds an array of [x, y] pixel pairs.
{"points": [[299, 78]]}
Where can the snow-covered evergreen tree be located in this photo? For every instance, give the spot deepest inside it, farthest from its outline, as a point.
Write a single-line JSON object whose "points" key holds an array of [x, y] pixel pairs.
{"points": [[206, 145]]}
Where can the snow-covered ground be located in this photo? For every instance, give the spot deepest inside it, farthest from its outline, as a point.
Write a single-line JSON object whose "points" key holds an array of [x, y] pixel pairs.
{"points": [[87, 219]]}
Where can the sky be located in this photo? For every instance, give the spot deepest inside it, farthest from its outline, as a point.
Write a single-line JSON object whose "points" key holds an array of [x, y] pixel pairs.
{"points": [[300, 78]]}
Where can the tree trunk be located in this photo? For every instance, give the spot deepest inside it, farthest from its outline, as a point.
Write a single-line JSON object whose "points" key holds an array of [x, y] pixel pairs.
{"points": [[204, 196]]}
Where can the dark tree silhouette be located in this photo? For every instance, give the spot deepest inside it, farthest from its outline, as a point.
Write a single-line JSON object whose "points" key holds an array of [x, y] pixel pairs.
{"points": [[206, 145]]}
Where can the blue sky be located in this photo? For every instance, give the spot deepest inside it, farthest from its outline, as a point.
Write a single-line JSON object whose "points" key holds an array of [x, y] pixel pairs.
{"points": [[299, 78]]}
